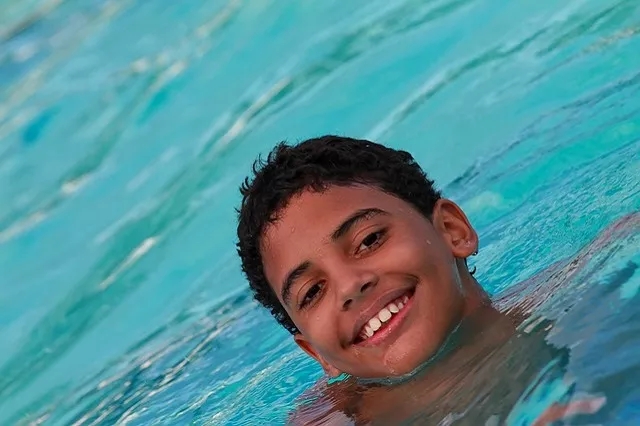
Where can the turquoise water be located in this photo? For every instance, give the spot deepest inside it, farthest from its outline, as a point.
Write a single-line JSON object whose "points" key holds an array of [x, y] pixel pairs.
{"points": [[126, 127]]}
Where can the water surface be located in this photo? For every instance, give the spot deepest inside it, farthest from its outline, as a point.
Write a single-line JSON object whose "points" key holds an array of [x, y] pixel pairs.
{"points": [[126, 127]]}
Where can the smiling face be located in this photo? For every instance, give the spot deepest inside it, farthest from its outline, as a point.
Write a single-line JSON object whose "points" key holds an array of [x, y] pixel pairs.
{"points": [[373, 286]]}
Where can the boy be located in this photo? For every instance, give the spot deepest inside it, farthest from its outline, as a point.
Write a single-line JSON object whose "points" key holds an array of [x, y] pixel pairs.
{"points": [[354, 251]]}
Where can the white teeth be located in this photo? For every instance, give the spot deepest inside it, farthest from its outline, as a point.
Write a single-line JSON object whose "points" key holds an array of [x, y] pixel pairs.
{"points": [[375, 323], [384, 315]]}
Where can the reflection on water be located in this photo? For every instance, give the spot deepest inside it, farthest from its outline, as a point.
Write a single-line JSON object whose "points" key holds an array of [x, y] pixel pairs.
{"points": [[126, 126]]}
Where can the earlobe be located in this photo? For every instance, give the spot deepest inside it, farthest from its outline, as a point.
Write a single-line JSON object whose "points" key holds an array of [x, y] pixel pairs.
{"points": [[455, 228], [306, 346]]}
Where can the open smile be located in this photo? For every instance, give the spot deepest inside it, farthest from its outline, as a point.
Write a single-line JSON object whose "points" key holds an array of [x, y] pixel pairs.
{"points": [[386, 321]]}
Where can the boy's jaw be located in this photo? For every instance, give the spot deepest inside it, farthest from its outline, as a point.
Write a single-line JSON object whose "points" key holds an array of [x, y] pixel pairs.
{"points": [[411, 337], [404, 342]]}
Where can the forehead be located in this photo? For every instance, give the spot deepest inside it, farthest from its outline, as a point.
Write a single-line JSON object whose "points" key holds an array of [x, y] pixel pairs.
{"points": [[318, 213]]}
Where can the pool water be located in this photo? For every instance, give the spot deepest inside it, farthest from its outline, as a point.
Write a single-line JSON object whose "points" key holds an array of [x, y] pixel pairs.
{"points": [[127, 126]]}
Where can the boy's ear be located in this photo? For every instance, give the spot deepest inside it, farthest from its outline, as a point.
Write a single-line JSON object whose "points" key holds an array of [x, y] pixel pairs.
{"points": [[453, 225], [305, 345]]}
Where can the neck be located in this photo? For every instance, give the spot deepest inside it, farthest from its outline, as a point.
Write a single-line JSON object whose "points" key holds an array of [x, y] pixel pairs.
{"points": [[479, 333], [475, 296]]}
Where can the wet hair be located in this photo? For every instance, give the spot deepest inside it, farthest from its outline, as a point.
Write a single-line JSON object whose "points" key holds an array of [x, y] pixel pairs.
{"points": [[316, 164]]}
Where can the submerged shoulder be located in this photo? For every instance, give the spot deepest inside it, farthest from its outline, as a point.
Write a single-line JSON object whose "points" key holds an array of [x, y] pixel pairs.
{"points": [[520, 300], [324, 403]]}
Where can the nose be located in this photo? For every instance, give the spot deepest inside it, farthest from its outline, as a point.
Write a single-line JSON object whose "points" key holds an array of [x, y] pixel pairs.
{"points": [[354, 285]]}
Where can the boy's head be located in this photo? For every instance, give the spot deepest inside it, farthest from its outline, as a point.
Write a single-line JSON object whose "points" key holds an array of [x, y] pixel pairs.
{"points": [[356, 254]]}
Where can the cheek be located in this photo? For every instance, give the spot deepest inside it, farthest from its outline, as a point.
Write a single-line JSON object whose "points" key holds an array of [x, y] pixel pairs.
{"points": [[440, 288], [418, 255], [320, 329]]}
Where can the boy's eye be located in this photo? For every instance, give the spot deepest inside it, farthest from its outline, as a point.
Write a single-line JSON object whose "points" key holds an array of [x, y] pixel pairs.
{"points": [[310, 295], [371, 241]]}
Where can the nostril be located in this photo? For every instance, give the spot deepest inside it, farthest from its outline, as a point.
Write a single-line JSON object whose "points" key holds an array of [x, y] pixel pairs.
{"points": [[347, 303], [365, 287]]}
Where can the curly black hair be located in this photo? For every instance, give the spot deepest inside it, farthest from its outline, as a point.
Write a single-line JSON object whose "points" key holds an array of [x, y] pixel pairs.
{"points": [[316, 164]]}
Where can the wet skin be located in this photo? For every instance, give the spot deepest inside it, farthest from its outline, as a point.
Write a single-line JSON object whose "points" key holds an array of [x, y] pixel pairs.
{"points": [[335, 258]]}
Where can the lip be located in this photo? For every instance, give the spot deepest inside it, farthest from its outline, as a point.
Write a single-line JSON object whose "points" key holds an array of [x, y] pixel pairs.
{"points": [[375, 307]]}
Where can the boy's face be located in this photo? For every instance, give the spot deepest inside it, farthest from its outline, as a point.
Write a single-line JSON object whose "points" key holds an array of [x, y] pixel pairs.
{"points": [[373, 286]]}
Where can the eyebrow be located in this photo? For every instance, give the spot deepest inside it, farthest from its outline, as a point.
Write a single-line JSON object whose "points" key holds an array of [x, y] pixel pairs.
{"points": [[340, 232], [291, 278], [352, 220]]}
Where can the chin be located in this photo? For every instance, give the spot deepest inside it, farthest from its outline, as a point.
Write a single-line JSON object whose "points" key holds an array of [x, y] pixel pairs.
{"points": [[407, 365], [405, 359]]}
